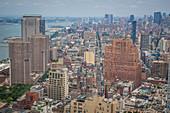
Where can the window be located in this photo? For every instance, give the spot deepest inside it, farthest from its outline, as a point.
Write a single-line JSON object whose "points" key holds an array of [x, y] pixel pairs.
{"points": [[55, 75]]}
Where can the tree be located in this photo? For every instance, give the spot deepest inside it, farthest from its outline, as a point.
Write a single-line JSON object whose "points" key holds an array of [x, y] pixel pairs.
{"points": [[4, 100], [9, 99]]}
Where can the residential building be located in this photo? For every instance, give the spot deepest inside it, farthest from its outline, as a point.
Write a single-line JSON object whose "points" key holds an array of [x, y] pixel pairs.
{"points": [[38, 89], [144, 46], [39, 50], [19, 56], [89, 57], [58, 84], [53, 53], [32, 24], [122, 62], [31, 97], [95, 104], [159, 69]]}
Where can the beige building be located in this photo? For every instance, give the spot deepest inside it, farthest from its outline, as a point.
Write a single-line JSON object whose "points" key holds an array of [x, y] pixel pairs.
{"points": [[89, 35], [32, 25], [57, 65], [58, 84], [53, 53], [96, 104], [89, 57]]}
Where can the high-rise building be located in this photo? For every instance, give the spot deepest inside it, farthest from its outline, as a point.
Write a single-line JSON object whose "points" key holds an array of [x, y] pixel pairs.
{"points": [[111, 18], [157, 17], [133, 35], [131, 18], [32, 25], [58, 84], [122, 62], [106, 19], [144, 45], [19, 62], [30, 54], [164, 14], [39, 51]]}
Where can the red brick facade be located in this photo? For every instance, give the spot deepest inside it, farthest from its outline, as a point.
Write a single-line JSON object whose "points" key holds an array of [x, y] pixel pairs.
{"points": [[122, 62]]}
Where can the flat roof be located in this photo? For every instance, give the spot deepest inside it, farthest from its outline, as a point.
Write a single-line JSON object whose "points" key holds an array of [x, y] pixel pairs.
{"points": [[31, 15]]}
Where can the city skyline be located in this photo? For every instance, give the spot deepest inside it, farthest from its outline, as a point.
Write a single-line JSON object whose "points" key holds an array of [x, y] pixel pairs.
{"points": [[78, 8]]}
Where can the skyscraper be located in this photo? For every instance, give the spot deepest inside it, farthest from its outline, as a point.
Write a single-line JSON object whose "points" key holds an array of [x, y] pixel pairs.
{"points": [[39, 52], [144, 45], [157, 17], [19, 62], [133, 35], [111, 18], [32, 25], [30, 54], [122, 62], [131, 18], [58, 84]]}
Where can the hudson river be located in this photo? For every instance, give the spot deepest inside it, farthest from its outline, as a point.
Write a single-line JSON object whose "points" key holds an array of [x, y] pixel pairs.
{"points": [[12, 30]]}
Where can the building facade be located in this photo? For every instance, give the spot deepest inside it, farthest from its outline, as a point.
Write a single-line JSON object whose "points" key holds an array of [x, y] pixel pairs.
{"points": [[19, 62], [144, 43], [39, 51], [95, 104], [159, 69], [31, 97], [89, 57], [58, 84], [122, 62], [32, 25], [157, 17], [133, 35]]}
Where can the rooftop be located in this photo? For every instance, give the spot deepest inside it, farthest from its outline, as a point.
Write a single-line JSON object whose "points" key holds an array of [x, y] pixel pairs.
{"points": [[31, 15]]}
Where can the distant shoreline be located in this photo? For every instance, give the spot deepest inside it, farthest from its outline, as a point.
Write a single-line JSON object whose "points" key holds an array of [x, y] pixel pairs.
{"points": [[9, 23]]}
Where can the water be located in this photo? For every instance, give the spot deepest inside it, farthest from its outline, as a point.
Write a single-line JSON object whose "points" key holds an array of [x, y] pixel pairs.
{"points": [[8, 30], [11, 30]]}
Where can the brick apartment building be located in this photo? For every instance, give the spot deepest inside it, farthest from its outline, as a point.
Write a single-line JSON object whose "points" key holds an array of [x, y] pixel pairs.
{"points": [[122, 62]]}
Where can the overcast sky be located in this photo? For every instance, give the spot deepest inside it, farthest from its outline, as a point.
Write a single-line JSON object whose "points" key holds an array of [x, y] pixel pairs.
{"points": [[79, 8]]}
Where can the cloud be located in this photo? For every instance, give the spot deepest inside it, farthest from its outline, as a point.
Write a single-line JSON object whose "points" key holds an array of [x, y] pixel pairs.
{"points": [[133, 6]]}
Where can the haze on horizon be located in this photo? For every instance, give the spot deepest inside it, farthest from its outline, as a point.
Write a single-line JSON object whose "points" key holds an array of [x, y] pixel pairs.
{"points": [[82, 8]]}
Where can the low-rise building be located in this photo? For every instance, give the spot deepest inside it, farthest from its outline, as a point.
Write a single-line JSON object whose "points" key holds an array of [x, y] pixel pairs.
{"points": [[95, 104], [37, 89]]}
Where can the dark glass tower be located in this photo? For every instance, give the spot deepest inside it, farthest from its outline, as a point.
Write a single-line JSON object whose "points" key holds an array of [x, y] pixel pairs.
{"points": [[133, 35], [111, 18], [157, 17], [131, 18]]}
